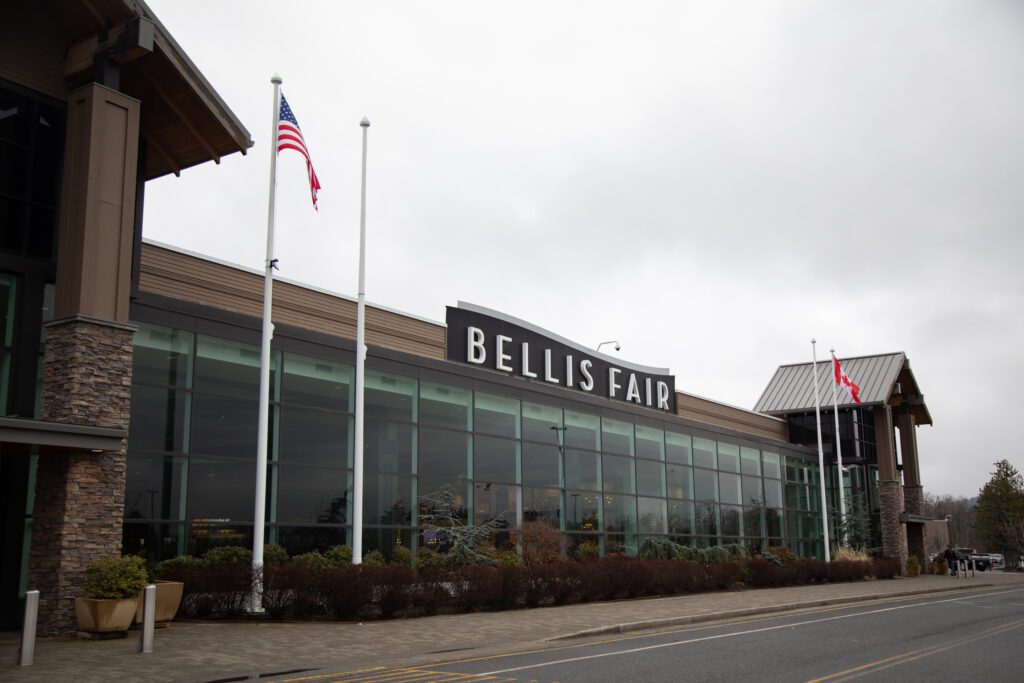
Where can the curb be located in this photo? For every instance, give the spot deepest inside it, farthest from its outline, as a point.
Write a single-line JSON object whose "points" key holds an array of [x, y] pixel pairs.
{"points": [[750, 611]]}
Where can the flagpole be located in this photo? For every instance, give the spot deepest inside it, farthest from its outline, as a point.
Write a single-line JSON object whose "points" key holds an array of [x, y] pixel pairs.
{"points": [[357, 465], [260, 493], [821, 450], [839, 458]]}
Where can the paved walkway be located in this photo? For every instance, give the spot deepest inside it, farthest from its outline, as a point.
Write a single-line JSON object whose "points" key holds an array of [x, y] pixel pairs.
{"points": [[204, 651]]}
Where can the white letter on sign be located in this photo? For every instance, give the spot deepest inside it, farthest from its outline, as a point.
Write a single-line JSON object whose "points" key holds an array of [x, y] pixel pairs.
{"points": [[475, 351]]}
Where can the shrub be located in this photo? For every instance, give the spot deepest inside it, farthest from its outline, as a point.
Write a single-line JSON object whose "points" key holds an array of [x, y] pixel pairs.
{"points": [[940, 567], [783, 553], [426, 557], [401, 554], [344, 590], [228, 554], [171, 569], [588, 550], [392, 587], [274, 554], [475, 586], [771, 557], [762, 573], [339, 554], [313, 561], [539, 542], [431, 593], [885, 568], [559, 580], [115, 577], [513, 582], [718, 554], [913, 566], [289, 588], [374, 558], [721, 576], [226, 587], [843, 554]]}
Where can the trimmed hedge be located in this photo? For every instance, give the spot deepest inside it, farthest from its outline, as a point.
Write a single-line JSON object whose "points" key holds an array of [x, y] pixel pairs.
{"points": [[312, 586]]}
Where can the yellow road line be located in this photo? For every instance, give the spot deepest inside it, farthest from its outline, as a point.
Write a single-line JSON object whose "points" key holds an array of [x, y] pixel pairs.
{"points": [[913, 655]]}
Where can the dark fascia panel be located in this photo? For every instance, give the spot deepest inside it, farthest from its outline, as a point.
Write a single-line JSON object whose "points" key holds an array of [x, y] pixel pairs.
{"points": [[59, 436]]}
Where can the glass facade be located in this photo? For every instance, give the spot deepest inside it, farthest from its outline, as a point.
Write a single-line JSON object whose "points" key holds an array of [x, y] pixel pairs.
{"points": [[608, 481]]}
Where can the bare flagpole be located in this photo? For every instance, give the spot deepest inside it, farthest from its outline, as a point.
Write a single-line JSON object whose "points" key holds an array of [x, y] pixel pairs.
{"points": [[821, 451], [841, 490], [357, 465], [260, 493]]}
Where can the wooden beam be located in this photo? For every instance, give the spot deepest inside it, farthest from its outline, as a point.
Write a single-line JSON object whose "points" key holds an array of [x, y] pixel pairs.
{"points": [[164, 154], [177, 110]]}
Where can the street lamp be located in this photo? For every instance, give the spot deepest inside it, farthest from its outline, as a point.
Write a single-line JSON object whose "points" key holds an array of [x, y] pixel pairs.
{"points": [[617, 345]]}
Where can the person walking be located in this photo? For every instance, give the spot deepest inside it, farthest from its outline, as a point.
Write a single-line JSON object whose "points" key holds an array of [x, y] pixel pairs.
{"points": [[950, 556]]}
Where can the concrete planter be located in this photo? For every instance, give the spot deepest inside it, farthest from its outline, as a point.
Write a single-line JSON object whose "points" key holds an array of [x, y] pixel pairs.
{"points": [[105, 616], [168, 599]]}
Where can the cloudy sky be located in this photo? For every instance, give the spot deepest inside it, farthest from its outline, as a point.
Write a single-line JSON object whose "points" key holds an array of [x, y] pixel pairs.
{"points": [[712, 184]]}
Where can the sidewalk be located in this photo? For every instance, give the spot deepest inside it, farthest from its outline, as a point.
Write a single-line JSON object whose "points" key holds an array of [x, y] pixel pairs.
{"points": [[202, 651]]}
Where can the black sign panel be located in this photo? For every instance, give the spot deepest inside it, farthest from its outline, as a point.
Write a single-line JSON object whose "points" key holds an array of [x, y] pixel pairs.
{"points": [[483, 340]]}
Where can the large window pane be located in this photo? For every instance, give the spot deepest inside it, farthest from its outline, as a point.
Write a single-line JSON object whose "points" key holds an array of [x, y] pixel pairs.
{"points": [[541, 423], [729, 489], [432, 491], [443, 454], [229, 367], [315, 382], [314, 437], [772, 468], [496, 415], [704, 453], [706, 520], [221, 491], [650, 478], [162, 356], [387, 500], [389, 397], [305, 539], [496, 501], [494, 459], [582, 431], [728, 457], [677, 448], [617, 473], [772, 493], [541, 465], [732, 521], [680, 481], [620, 513], [581, 470], [153, 487], [158, 419], [312, 495], [224, 426], [705, 485], [652, 517], [773, 524], [650, 443], [616, 436], [752, 491], [680, 518], [582, 511], [750, 461], [542, 504], [444, 406], [388, 446]]}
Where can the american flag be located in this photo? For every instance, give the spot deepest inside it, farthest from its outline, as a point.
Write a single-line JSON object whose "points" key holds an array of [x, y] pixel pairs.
{"points": [[289, 136]]}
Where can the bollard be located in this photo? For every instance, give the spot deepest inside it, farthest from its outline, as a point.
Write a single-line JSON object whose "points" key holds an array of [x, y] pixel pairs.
{"points": [[27, 651], [148, 619]]}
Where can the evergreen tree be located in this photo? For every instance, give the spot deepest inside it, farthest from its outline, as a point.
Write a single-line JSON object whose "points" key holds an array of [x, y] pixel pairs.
{"points": [[999, 514]]}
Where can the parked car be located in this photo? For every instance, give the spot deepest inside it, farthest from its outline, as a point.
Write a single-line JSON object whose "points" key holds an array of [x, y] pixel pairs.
{"points": [[997, 561], [982, 561]]}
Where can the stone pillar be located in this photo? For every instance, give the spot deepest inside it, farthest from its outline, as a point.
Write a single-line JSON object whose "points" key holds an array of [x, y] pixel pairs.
{"points": [[87, 363], [913, 492], [890, 494]]}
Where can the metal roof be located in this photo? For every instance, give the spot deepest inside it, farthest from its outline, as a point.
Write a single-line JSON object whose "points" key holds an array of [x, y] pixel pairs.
{"points": [[791, 390]]}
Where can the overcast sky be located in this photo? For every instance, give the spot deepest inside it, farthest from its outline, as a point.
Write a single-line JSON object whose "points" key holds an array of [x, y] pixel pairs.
{"points": [[712, 184]]}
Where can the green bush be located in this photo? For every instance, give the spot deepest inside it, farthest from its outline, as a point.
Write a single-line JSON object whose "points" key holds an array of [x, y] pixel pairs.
{"points": [[588, 550], [115, 577], [229, 554], [274, 554], [401, 554], [313, 561], [171, 567], [339, 554], [425, 557], [718, 554], [374, 558]]}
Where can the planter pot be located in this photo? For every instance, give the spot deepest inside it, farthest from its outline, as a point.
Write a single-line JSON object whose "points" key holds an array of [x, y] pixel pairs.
{"points": [[168, 599], [105, 616]]}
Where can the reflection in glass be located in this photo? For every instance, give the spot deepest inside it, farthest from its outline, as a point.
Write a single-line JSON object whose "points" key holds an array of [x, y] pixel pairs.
{"points": [[582, 431], [314, 437], [495, 415], [650, 443], [221, 489], [389, 397], [388, 446], [541, 423], [620, 513], [651, 516], [680, 518], [443, 454], [705, 485], [616, 436], [161, 356], [542, 504], [729, 489], [158, 418], [732, 520], [494, 459], [541, 465], [650, 478], [706, 519], [581, 470], [680, 481], [444, 406], [750, 461], [752, 491], [773, 493], [771, 465], [582, 511], [323, 384], [387, 500], [617, 474], [229, 367], [704, 453], [305, 539], [728, 457], [677, 448], [153, 487], [224, 426], [312, 495]]}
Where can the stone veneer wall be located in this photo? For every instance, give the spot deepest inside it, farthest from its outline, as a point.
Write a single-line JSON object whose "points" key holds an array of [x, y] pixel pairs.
{"points": [[79, 504], [913, 501], [890, 501]]}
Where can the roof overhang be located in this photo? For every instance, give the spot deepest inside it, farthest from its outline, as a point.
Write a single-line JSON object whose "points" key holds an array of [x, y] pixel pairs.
{"points": [[183, 121], [58, 437]]}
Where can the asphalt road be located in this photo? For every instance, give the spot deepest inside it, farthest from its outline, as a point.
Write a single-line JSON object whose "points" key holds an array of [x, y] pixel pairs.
{"points": [[975, 635]]}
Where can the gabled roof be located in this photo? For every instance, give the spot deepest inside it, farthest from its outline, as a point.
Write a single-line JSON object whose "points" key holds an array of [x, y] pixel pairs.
{"points": [[883, 378]]}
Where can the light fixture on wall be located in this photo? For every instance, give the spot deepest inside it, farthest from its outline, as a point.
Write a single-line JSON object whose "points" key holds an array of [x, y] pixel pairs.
{"points": [[617, 345]]}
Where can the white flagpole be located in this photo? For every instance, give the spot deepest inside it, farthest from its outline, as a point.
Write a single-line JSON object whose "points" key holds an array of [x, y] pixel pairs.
{"points": [[841, 491], [357, 468], [821, 451], [259, 512]]}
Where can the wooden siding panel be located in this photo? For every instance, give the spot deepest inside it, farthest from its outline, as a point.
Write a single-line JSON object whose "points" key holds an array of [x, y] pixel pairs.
{"points": [[32, 48], [190, 278], [728, 417]]}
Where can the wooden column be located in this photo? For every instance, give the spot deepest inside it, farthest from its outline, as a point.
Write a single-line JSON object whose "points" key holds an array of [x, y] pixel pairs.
{"points": [[890, 494]]}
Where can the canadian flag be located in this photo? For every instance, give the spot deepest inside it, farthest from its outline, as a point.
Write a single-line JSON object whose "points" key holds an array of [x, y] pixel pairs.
{"points": [[843, 381]]}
